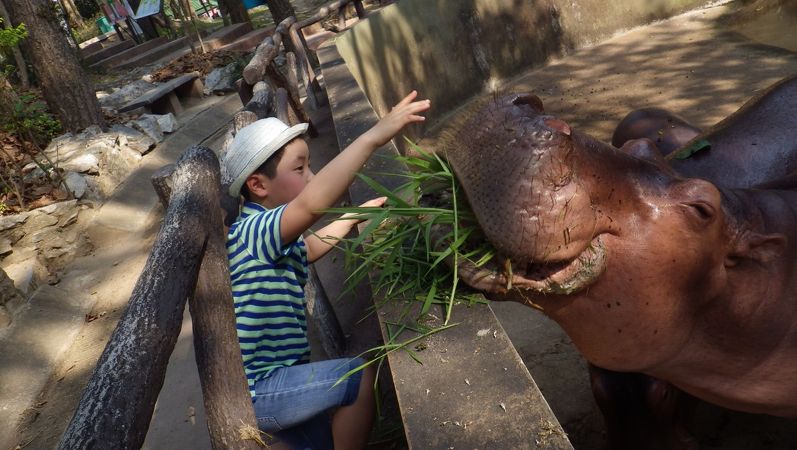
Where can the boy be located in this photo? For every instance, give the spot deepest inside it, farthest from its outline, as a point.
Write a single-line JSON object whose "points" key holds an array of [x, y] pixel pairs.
{"points": [[268, 164]]}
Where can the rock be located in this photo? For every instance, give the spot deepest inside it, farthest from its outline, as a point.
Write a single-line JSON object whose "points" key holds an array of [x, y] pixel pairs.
{"points": [[65, 147], [5, 317], [130, 137], [5, 246], [222, 79], [34, 174], [168, 123], [87, 163], [10, 298], [148, 125], [76, 184], [126, 94], [12, 221], [27, 275], [39, 220], [116, 165]]}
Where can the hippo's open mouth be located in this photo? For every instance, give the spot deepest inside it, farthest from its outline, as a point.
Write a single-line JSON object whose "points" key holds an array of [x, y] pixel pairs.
{"points": [[548, 277]]}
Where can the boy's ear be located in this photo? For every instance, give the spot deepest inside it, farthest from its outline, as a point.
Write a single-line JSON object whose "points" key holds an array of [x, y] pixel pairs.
{"points": [[762, 248], [257, 185]]}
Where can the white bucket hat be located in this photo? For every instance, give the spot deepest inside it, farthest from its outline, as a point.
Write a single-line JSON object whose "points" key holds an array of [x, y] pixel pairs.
{"points": [[252, 146]]}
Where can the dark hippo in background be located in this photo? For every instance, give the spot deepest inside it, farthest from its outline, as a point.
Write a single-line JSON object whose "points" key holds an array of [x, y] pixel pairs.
{"points": [[680, 270]]}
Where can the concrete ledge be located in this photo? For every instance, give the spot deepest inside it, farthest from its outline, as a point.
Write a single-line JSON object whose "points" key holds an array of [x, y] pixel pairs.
{"points": [[129, 53], [472, 390], [249, 41], [107, 51], [226, 35], [153, 54]]}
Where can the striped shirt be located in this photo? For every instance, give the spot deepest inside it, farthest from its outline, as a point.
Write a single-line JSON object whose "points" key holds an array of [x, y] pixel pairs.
{"points": [[268, 291]]}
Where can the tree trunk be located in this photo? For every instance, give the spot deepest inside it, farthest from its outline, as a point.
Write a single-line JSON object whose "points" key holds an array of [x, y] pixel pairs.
{"points": [[280, 10], [72, 13], [234, 9], [65, 85], [22, 67]]}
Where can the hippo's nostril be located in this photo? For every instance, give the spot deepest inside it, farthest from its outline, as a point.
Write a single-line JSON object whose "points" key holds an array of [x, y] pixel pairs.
{"points": [[528, 99]]}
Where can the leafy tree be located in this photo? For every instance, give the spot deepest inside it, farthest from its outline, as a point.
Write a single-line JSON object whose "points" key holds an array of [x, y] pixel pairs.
{"points": [[64, 83]]}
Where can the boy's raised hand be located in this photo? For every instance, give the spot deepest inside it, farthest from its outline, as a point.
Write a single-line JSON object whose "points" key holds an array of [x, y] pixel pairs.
{"points": [[406, 111]]}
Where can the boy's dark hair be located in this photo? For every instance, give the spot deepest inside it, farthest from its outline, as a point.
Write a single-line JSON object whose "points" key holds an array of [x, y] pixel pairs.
{"points": [[268, 168]]}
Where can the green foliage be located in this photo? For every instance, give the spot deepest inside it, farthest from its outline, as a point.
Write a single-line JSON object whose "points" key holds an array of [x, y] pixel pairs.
{"points": [[11, 36], [30, 120]]}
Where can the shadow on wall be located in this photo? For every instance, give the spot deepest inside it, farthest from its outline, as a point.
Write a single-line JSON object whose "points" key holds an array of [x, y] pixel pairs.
{"points": [[404, 47], [452, 50]]}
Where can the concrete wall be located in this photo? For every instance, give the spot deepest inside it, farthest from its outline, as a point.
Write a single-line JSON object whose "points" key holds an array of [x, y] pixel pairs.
{"points": [[451, 50]]}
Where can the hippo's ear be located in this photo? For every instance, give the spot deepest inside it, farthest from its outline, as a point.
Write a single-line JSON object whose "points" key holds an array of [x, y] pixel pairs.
{"points": [[644, 148], [528, 99], [762, 248]]}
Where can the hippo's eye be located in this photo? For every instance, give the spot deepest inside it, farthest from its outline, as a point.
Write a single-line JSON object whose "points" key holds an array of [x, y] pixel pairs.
{"points": [[703, 211]]}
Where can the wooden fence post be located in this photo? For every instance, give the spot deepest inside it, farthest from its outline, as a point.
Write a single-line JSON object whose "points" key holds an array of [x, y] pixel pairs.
{"points": [[228, 405], [116, 407]]}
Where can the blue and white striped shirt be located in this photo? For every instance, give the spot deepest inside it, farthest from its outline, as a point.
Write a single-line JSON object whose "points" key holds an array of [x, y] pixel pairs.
{"points": [[268, 291]]}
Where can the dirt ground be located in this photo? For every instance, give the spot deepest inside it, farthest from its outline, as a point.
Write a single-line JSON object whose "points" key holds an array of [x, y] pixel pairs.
{"points": [[702, 65]]}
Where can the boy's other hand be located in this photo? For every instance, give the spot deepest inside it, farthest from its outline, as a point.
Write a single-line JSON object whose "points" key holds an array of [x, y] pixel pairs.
{"points": [[406, 111], [373, 203]]}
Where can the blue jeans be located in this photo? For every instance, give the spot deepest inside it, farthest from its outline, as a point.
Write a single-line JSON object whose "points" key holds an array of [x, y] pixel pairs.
{"points": [[292, 403]]}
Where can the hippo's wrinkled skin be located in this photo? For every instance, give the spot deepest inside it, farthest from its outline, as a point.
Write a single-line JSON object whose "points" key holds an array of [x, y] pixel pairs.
{"points": [[679, 271]]}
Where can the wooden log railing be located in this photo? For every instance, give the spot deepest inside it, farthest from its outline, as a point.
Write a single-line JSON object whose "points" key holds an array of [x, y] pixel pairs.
{"points": [[288, 36], [188, 262]]}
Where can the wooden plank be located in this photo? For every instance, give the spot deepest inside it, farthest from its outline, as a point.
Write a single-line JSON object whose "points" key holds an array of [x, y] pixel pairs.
{"points": [[157, 93]]}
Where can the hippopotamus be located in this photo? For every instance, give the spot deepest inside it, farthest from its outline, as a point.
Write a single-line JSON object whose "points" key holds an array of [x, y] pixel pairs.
{"points": [[684, 270]]}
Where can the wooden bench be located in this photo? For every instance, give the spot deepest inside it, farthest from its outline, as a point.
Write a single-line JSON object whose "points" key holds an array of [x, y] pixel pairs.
{"points": [[166, 97]]}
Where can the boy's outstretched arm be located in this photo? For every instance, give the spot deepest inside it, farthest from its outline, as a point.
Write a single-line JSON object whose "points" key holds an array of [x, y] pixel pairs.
{"points": [[322, 241], [333, 179]]}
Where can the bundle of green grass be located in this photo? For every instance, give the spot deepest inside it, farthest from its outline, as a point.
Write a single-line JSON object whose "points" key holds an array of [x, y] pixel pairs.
{"points": [[411, 247]]}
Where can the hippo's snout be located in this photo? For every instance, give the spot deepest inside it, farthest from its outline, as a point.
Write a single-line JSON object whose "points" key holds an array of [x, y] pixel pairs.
{"points": [[518, 173]]}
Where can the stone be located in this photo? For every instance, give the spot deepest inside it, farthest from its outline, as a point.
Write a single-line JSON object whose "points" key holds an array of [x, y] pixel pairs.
{"points": [[34, 175], [5, 246], [130, 137], [168, 123], [76, 184], [87, 163], [27, 275], [10, 298], [116, 165], [5, 317], [12, 221], [40, 219], [222, 79], [148, 125], [125, 94]]}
